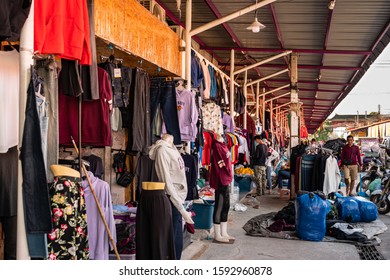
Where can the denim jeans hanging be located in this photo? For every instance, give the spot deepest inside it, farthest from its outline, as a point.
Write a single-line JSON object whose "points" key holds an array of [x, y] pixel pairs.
{"points": [[35, 188]]}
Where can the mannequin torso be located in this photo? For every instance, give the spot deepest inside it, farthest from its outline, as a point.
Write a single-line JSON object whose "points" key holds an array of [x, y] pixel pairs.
{"points": [[152, 186], [59, 170]]}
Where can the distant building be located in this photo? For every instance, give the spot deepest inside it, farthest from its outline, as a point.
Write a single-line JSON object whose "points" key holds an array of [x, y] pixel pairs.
{"points": [[373, 125]]}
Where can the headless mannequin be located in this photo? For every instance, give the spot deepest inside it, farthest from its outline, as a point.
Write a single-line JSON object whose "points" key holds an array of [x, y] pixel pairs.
{"points": [[170, 170], [186, 216], [59, 170], [167, 138], [153, 186], [222, 195]]}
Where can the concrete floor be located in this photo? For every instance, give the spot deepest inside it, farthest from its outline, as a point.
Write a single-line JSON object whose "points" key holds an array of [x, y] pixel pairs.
{"points": [[262, 248]]}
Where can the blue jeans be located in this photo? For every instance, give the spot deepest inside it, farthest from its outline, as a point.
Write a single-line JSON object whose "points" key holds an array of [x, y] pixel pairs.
{"points": [[164, 93], [283, 174], [47, 70], [35, 188], [177, 225], [269, 177]]}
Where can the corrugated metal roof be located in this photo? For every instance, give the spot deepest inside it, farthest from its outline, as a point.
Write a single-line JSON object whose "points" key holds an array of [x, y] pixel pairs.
{"points": [[326, 40]]}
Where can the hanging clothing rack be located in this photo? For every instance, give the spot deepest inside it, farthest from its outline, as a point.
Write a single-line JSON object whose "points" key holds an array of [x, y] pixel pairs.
{"points": [[326, 150], [215, 67]]}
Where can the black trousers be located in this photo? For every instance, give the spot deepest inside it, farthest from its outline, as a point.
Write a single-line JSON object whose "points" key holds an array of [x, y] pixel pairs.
{"points": [[139, 118], [9, 229], [222, 204], [154, 230]]}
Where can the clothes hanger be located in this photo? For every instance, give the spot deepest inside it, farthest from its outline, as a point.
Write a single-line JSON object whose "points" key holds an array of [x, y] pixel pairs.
{"points": [[180, 85]]}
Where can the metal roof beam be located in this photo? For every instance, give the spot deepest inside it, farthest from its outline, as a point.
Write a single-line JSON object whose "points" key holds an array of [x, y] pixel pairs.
{"points": [[313, 89], [227, 28], [262, 62], [231, 16], [196, 38], [342, 68], [268, 77], [272, 50], [316, 99], [277, 97], [309, 82], [280, 106], [380, 37], [274, 90]]}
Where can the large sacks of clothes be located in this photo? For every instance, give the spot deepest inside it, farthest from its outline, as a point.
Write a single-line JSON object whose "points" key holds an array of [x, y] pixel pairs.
{"points": [[356, 209], [310, 221], [368, 209], [348, 209]]}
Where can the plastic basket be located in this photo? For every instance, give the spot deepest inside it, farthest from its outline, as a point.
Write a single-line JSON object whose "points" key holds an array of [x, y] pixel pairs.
{"points": [[204, 214], [244, 183]]}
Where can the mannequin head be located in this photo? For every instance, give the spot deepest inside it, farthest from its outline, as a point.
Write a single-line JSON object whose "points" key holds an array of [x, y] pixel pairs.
{"points": [[167, 138]]}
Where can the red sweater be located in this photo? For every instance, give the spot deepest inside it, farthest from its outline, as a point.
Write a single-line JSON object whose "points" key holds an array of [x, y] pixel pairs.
{"points": [[221, 166], [61, 27]]}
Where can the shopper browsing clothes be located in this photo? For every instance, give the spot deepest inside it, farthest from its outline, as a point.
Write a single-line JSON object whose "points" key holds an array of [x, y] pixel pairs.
{"points": [[284, 173], [259, 165], [350, 163]]}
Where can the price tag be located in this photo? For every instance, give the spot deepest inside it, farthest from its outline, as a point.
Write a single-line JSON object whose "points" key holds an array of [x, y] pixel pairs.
{"points": [[117, 73]]}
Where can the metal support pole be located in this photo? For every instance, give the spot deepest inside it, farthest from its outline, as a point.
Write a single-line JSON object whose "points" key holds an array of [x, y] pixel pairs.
{"points": [[188, 42], [263, 107], [294, 113], [257, 101], [231, 101], [246, 96], [26, 60], [272, 121]]}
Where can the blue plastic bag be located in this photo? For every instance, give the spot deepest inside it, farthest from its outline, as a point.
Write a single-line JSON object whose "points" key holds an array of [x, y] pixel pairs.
{"points": [[348, 209], [368, 209], [310, 219]]}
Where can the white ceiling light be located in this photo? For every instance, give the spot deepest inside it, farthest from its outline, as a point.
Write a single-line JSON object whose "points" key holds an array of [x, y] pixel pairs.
{"points": [[256, 26], [331, 4]]}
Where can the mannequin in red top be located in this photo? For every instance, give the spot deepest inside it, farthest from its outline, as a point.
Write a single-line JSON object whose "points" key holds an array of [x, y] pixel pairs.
{"points": [[221, 176]]}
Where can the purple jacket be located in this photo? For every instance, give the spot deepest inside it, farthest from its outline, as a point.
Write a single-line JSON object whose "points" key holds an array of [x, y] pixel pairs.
{"points": [[98, 240], [188, 114]]}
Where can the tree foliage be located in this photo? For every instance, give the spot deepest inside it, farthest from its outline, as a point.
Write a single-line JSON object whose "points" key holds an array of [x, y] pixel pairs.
{"points": [[324, 132]]}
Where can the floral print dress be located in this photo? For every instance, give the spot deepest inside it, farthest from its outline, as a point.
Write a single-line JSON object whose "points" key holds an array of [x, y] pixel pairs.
{"points": [[68, 239]]}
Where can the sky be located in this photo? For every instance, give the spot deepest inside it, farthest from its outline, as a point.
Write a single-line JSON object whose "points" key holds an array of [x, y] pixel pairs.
{"points": [[372, 89]]}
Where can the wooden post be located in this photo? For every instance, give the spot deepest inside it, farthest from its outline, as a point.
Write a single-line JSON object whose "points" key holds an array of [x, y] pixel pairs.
{"points": [[294, 112]]}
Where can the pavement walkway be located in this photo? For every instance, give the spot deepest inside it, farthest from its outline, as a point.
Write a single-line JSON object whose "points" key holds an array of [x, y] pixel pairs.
{"points": [[263, 248]]}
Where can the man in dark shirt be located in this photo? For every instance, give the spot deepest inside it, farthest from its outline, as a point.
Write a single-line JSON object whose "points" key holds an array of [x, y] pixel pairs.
{"points": [[259, 165], [350, 158]]}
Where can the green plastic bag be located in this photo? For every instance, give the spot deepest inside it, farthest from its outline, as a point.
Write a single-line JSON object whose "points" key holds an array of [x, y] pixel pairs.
{"points": [[375, 185]]}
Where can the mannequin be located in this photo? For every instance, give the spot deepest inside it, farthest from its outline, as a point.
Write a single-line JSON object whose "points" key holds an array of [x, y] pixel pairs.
{"points": [[220, 178], [154, 238], [170, 169], [60, 170], [67, 196], [152, 186]]}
